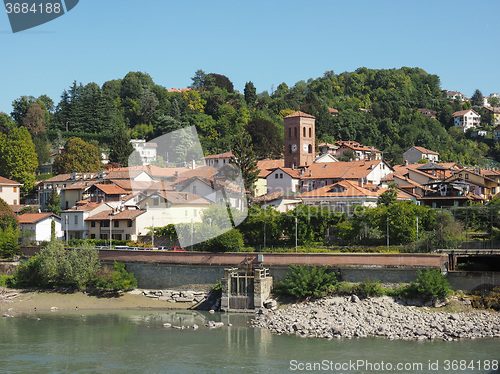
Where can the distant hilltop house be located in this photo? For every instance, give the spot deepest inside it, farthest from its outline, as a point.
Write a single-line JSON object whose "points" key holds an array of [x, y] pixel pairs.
{"points": [[432, 114], [466, 119], [454, 95], [361, 152], [147, 150], [495, 111], [487, 99], [415, 154]]}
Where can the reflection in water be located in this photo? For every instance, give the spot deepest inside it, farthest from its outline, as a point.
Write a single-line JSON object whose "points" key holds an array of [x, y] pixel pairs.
{"points": [[137, 341]]}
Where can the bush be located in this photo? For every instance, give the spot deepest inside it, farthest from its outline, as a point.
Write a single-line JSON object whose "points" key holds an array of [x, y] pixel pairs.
{"points": [[119, 279], [5, 280], [369, 288], [56, 267], [230, 241], [307, 281], [430, 285]]}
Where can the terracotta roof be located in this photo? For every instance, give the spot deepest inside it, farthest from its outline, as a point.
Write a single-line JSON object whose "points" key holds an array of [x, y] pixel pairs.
{"points": [[183, 198], [267, 166], [34, 217], [341, 189], [294, 173], [202, 171], [425, 150], [111, 189], [179, 90], [124, 174], [356, 146], [299, 114], [8, 181], [344, 170], [220, 155], [268, 197], [333, 111], [125, 214], [86, 205], [155, 171], [80, 185], [461, 113]]}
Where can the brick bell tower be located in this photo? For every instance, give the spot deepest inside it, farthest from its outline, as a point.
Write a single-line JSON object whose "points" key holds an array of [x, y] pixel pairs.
{"points": [[299, 139]]}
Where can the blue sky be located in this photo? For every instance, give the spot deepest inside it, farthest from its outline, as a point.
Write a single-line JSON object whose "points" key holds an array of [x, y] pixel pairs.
{"points": [[267, 42]]}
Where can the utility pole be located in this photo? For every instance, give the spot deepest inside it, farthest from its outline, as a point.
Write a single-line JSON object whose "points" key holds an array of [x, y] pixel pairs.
{"points": [[153, 232], [417, 234], [296, 234], [387, 230], [110, 228], [67, 237]]}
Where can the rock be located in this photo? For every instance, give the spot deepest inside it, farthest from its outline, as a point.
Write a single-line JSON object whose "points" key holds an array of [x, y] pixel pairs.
{"points": [[271, 304], [184, 299], [355, 299], [195, 327], [214, 325], [167, 325], [454, 316]]}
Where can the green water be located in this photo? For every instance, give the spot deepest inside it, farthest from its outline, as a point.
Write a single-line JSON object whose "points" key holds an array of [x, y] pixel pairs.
{"points": [[137, 342]]}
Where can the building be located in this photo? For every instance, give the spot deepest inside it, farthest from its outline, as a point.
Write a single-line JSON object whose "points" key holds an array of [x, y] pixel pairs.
{"points": [[283, 180], [38, 226], [466, 119], [265, 167], [147, 150], [455, 95], [415, 154], [363, 172], [299, 140], [432, 114], [73, 220], [10, 191], [219, 160], [495, 112], [359, 151]]}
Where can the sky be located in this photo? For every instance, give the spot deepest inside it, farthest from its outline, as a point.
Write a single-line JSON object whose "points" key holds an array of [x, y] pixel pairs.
{"points": [[266, 42]]}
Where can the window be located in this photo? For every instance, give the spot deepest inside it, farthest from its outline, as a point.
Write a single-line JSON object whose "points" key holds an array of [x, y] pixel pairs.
{"points": [[310, 148], [194, 190], [310, 132], [466, 176], [304, 132], [104, 223], [127, 236], [92, 236], [129, 223], [76, 220], [290, 132], [117, 223], [281, 175], [295, 132], [15, 189], [276, 176], [92, 223], [492, 189]]}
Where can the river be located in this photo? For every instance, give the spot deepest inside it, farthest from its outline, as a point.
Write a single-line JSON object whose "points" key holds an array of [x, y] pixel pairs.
{"points": [[137, 342]]}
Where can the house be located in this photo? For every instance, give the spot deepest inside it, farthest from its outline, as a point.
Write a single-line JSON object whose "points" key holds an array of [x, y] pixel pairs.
{"points": [[74, 222], [345, 196], [265, 168], [449, 194], [326, 148], [455, 95], [147, 150], [360, 151], [10, 191], [364, 171], [487, 99], [283, 180], [279, 200], [326, 157], [414, 154], [495, 112], [219, 160], [475, 183], [38, 226], [432, 114], [466, 119], [333, 112], [120, 225]]}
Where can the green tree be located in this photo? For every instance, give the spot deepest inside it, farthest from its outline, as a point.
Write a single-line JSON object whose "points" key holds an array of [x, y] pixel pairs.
{"points": [[307, 281], [250, 94], [244, 158], [35, 119], [18, 159], [388, 197], [7, 216], [222, 81], [477, 98], [78, 156], [54, 203], [6, 123], [266, 138]]}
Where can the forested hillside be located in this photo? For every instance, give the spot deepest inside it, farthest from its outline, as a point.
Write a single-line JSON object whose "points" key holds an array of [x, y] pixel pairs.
{"points": [[376, 107]]}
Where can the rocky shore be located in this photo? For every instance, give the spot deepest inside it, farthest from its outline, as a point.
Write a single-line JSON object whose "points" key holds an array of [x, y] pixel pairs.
{"points": [[350, 317]]}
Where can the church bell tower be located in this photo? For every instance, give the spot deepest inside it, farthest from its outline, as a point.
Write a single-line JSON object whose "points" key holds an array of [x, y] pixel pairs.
{"points": [[299, 140]]}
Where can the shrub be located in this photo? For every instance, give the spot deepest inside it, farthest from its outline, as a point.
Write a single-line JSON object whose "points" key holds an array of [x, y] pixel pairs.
{"points": [[119, 279], [56, 267], [307, 281], [430, 285], [5, 280], [369, 288], [230, 241]]}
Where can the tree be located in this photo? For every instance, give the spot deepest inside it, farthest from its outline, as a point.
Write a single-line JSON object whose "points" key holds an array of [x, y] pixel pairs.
{"points": [[477, 98], [6, 123], [35, 118], [78, 156], [121, 148], [7, 216], [18, 160], [388, 197], [222, 81], [494, 101], [54, 203], [20, 108], [245, 160], [266, 138]]}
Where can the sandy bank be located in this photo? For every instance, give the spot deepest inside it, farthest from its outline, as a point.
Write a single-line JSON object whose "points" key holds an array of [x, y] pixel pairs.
{"points": [[21, 301]]}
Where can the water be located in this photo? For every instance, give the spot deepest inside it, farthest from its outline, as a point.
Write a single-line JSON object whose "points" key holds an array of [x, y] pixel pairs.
{"points": [[137, 342]]}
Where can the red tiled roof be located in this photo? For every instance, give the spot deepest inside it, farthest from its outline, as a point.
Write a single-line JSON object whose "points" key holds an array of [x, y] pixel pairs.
{"points": [[461, 113], [34, 217], [8, 181], [356, 146], [111, 189], [341, 189], [125, 214], [220, 155], [425, 150], [294, 173], [267, 166], [299, 114], [333, 111], [344, 170]]}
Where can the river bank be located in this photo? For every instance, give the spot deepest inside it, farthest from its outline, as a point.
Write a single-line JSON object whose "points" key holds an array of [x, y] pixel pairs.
{"points": [[350, 317], [13, 302]]}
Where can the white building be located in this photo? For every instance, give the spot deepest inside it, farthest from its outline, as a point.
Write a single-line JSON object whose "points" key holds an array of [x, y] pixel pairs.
{"points": [[283, 180], [466, 119], [147, 150], [38, 226], [10, 191]]}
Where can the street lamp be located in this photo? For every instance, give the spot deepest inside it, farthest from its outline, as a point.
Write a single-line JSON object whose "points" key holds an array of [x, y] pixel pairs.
{"points": [[110, 228]]}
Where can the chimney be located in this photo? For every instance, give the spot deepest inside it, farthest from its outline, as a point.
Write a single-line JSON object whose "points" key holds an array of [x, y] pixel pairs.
{"points": [[406, 162], [360, 182]]}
